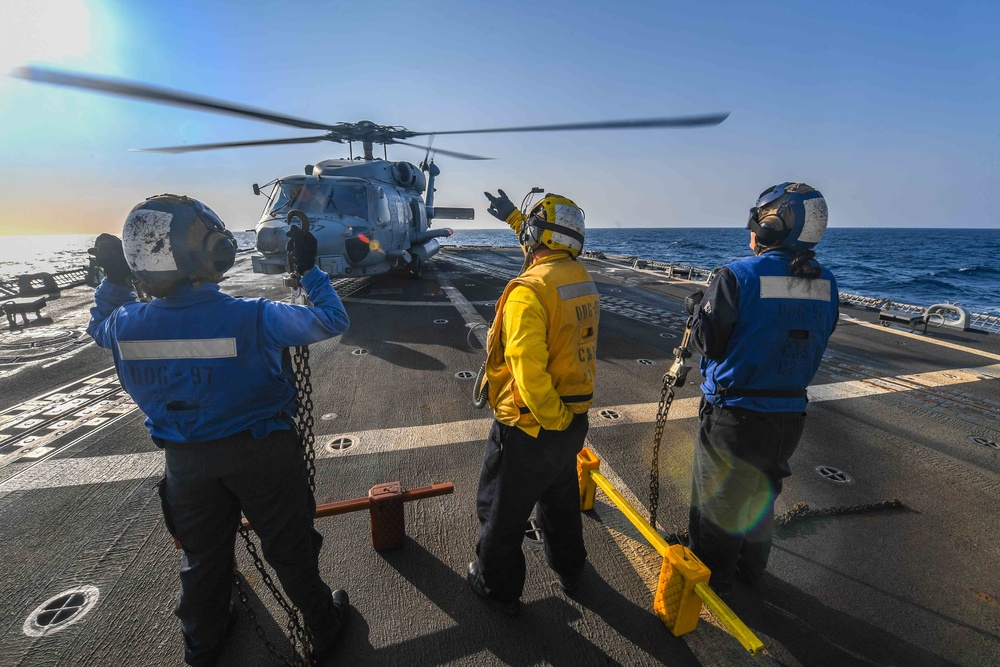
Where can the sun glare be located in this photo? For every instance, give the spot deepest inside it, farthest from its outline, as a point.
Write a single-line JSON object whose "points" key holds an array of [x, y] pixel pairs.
{"points": [[55, 32]]}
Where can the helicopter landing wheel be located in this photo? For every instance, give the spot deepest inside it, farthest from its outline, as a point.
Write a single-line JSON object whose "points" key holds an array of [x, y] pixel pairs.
{"points": [[416, 267]]}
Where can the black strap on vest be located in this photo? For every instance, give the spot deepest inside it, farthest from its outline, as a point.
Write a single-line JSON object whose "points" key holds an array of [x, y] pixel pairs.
{"points": [[760, 393], [582, 398]]}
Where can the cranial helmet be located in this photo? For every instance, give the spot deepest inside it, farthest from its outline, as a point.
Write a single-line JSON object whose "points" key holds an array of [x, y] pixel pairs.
{"points": [[792, 215], [172, 237], [555, 222]]}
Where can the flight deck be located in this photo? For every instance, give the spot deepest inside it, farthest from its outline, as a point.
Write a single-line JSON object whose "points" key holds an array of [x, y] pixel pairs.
{"points": [[893, 415]]}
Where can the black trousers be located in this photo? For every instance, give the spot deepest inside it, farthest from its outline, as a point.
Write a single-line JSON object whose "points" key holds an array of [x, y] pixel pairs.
{"points": [[740, 459], [206, 487], [520, 471]]}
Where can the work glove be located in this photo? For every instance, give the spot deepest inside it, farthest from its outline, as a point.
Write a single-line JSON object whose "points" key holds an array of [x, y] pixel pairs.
{"points": [[303, 248], [110, 256], [500, 207], [692, 301]]}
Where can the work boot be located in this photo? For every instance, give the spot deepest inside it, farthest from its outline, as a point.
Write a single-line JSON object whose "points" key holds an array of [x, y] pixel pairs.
{"points": [[322, 646], [478, 585], [746, 575], [209, 658], [569, 584]]}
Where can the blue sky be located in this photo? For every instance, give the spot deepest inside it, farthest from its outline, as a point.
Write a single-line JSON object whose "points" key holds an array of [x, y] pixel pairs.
{"points": [[889, 108]]}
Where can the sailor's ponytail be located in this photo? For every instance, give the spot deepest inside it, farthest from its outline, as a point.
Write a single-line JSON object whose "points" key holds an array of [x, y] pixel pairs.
{"points": [[801, 265]]}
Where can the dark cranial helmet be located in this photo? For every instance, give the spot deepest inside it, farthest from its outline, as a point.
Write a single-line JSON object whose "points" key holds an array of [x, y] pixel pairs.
{"points": [[556, 223], [172, 238], [792, 215]]}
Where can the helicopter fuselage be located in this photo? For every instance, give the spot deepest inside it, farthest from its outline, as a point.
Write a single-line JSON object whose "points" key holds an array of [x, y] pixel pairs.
{"points": [[368, 218]]}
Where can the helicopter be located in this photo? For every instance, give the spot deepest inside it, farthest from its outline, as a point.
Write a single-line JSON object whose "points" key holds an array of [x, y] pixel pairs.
{"points": [[369, 215]]}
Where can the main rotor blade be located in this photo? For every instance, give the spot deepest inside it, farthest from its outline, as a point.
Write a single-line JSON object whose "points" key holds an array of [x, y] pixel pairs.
{"points": [[460, 156], [638, 123], [155, 94], [231, 144]]}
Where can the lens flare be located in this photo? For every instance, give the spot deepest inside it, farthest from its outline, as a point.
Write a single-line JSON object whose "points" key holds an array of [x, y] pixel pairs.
{"points": [[734, 496]]}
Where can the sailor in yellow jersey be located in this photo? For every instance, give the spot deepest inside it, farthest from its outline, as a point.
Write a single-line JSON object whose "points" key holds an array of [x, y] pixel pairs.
{"points": [[540, 368]]}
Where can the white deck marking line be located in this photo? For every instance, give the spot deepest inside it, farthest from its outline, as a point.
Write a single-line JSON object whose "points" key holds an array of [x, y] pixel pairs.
{"points": [[899, 383], [464, 308], [51, 452], [925, 339], [57, 414], [59, 473], [47, 474]]}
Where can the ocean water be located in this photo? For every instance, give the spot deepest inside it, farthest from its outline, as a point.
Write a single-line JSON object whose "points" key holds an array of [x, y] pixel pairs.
{"points": [[915, 266]]}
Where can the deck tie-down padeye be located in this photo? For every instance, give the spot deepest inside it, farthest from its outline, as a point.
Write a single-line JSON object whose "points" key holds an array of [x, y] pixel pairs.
{"points": [[22, 306], [939, 315], [683, 584]]}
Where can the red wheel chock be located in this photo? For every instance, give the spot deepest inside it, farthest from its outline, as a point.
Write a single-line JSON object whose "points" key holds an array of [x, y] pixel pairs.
{"points": [[385, 506]]}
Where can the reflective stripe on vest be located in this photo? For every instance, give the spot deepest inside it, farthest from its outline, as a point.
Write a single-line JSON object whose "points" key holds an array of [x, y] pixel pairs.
{"points": [[197, 348], [576, 290]]}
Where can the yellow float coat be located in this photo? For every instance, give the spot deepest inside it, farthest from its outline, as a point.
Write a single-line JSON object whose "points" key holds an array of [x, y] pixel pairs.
{"points": [[542, 346]]}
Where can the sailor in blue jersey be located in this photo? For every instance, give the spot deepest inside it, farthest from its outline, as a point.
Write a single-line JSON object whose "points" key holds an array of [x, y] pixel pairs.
{"points": [[762, 328], [212, 374]]}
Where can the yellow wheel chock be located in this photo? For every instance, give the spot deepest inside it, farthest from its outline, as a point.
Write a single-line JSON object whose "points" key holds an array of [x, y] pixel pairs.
{"points": [[683, 584]]}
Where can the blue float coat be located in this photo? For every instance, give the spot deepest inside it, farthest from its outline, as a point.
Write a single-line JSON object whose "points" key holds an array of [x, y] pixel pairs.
{"points": [[203, 365], [759, 329]]}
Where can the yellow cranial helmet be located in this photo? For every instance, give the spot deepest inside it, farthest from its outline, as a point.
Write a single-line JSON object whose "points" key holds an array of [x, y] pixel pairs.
{"points": [[555, 222]]}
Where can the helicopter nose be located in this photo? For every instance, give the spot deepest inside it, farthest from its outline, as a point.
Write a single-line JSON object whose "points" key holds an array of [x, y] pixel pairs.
{"points": [[271, 239]]}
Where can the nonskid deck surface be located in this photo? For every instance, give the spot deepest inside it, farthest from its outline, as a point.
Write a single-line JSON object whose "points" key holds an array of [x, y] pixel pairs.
{"points": [[905, 416]]}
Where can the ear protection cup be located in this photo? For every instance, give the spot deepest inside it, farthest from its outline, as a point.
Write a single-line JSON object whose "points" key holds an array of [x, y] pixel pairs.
{"points": [[530, 234], [769, 230], [219, 248]]}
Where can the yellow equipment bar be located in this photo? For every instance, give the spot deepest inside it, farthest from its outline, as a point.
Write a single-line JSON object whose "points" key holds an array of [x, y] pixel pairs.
{"points": [[743, 634], [630, 513], [682, 578]]}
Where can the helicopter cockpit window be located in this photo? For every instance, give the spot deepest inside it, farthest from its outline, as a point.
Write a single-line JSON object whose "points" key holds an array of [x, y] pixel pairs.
{"points": [[350, 200], [319, 198]]}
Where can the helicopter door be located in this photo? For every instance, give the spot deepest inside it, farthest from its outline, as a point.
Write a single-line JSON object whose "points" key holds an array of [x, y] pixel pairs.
{"points": [[399, 225], [416, 206]]}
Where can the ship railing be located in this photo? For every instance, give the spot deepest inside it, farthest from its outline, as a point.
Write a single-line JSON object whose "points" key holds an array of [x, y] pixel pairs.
{"points": [[978, 321], [672, 269], [982, 322], [42, 283]]}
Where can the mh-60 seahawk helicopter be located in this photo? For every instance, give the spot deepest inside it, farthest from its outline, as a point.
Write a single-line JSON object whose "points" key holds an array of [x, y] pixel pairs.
{"points": [[368, 215]]}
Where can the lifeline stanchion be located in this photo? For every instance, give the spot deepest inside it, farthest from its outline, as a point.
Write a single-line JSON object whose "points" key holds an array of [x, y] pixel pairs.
{"points": [[683, 584]]}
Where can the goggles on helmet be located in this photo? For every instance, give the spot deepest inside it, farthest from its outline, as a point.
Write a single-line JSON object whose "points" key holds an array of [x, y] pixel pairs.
{"points": [[765, 198]]}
